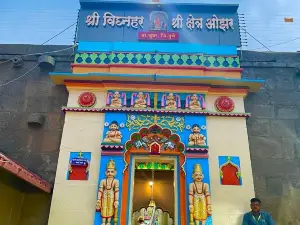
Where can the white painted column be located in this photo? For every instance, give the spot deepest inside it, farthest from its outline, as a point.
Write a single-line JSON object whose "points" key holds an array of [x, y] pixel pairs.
{"points": [[73, 202], [227, 136]]}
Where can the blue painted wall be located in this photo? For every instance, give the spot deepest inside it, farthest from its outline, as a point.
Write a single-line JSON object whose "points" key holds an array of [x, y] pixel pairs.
{"points": [[125, 34], [121, 118], [124, 119], [119, 160], [156, 47]]}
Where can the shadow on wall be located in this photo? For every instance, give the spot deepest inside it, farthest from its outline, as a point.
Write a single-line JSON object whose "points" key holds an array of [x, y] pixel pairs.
{"points": [[289, 207]]}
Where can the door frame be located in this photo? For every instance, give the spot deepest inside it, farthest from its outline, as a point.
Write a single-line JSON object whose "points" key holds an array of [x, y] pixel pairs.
{"points": [[164, 159]]}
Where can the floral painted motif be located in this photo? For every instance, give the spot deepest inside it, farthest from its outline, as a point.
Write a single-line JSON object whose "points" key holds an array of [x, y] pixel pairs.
{"points": [[224, 104], [87, 99], [135, 122], [155, 140]]}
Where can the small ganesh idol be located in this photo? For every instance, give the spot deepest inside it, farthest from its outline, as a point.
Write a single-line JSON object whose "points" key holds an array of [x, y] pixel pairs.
{"points": [[193, 102], [199, 198], [171, 101], [195, 138], [108, 195], [113, 135], [140, 101], [116, 101]]}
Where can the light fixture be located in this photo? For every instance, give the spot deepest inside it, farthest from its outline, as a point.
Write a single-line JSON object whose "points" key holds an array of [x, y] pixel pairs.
{"points": [[151, 183]]}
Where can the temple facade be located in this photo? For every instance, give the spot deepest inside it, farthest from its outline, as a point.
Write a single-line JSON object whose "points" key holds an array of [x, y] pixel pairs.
{"points": [[155, 124]]}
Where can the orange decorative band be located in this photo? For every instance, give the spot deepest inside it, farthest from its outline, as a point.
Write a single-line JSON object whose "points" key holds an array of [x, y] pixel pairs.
{"points": [[225, 69], [155, 111], [23, 173]]}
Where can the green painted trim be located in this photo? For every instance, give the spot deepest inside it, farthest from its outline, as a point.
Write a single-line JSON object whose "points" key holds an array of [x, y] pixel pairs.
{"points": [[157, 59], [154, 166]]}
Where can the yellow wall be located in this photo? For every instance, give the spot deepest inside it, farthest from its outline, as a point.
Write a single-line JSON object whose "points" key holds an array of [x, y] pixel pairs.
{"points": [[227, 136], [10, 199], [35, 208], [20, 203], [73, 202]]}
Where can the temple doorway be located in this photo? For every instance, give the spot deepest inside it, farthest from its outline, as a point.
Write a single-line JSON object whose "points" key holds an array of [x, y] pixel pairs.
{"points": [[153, 193]]}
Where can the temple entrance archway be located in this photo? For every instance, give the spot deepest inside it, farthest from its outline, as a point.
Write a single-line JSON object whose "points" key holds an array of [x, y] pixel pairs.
{"points": [[154, 190], [155, 145]]}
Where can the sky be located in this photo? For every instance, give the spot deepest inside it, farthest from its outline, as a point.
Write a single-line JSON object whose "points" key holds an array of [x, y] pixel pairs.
{"points": [[35, 21]]}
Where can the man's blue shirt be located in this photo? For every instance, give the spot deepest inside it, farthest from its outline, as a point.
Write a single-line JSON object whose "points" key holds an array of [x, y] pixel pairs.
{"points": [[263, 219]]}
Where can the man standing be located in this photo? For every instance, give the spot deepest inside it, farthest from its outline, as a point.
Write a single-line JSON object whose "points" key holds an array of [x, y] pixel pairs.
{"points": [[257, 217]]}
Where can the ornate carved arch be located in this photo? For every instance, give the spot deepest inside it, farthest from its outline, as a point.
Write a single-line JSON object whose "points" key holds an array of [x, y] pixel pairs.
{"points": [[152, 141]]}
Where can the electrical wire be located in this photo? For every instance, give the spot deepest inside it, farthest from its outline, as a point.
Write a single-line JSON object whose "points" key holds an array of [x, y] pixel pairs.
{"points": [[9, 82], [59, 33], [282, 43], [45, 43], [272, 30], [40, 53], [256, 39]]}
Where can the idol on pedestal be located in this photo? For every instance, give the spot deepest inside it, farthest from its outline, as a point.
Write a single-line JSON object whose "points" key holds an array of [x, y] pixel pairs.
{"points": [[199, 198], [108, 195]]}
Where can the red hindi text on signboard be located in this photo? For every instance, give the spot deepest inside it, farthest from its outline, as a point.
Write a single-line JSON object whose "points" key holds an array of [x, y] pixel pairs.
{"points": [[158, 36]]}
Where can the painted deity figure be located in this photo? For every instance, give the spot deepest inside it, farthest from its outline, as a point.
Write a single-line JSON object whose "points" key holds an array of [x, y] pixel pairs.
{"points": [[141, 220], [113, 135], [157, 23], [195, 103], [108, 195], [116, 101], [195, 138], [199, 198], [171, 102], [140, 101]]}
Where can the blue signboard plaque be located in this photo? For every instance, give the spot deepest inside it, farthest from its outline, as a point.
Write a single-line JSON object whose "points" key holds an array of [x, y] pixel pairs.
{"points": [[193, 23]]}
